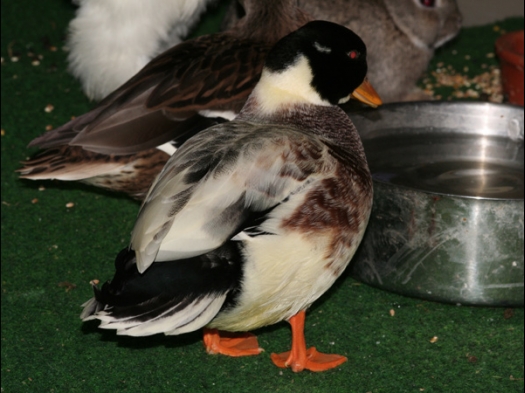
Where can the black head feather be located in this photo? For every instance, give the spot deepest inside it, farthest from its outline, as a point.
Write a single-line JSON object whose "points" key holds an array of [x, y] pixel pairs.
{"points": [[337, 57]]}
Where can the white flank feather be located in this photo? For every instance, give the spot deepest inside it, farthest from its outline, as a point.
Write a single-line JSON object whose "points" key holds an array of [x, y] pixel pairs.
{"points": [[228, 115], [286, 274], [167, 148]]}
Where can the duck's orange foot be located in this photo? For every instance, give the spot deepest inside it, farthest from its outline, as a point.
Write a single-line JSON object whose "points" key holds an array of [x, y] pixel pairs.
{"points": [[313, 361], [244, 344]]}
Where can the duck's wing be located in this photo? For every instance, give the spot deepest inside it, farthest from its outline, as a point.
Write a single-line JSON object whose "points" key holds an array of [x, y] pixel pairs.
{"points": [[218, 183], [210, 73]]}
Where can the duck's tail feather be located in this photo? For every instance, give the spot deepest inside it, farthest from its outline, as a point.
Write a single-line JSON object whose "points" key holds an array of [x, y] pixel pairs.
{"points": [[170, 297], [131, 174]]}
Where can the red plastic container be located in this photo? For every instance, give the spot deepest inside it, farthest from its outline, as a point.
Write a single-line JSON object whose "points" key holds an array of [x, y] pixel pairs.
{"points": [[509, 48]]}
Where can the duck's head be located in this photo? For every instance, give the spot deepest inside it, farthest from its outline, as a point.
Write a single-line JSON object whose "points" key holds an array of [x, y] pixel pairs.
{"points": [[321, 63]]}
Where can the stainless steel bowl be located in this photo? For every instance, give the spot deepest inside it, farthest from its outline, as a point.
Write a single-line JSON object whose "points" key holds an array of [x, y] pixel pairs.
{"points": [[447, 220]]}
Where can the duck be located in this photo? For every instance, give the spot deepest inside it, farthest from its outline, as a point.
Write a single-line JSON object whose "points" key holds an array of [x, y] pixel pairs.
{"points": [[109, 41], [123, 142], [254, 219]]}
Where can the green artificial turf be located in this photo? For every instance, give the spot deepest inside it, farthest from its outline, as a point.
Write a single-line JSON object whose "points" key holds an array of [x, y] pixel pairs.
{"points": [[50, 253]]}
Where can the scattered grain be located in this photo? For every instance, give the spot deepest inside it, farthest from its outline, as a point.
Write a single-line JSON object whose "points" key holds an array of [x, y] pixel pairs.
{"points": [[49, 108], [68, 285], [487, 84], [3, 132], [70, 205], [392, 312], [49, 127], [14, 59], [35, 63], [41, 188], [433, 339], [34, 200], [508, 313]]}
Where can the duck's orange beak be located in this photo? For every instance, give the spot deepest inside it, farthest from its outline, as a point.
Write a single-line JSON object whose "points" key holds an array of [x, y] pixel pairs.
{"points": [[367, 94]]}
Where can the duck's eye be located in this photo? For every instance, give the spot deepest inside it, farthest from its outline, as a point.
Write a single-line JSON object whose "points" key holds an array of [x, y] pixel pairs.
{"points": [[353, 54], [428, 3]]}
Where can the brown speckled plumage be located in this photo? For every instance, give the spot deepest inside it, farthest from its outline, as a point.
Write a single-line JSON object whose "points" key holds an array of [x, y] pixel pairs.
{"points": [[341, 201]]}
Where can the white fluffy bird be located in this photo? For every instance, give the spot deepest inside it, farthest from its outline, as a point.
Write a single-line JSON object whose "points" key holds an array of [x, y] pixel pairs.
{"points": [[109, 41], [252, 220]]}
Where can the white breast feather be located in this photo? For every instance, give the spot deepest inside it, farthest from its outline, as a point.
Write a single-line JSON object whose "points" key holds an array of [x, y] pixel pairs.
{"points": [[292, 86]]}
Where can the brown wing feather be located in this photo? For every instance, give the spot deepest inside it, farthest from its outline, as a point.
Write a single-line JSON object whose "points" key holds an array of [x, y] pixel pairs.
{"points": [[222, 68], [212, 72]]}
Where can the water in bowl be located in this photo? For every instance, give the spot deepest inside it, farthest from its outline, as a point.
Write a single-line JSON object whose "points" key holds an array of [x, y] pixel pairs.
{"points": [[451, 164]]}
